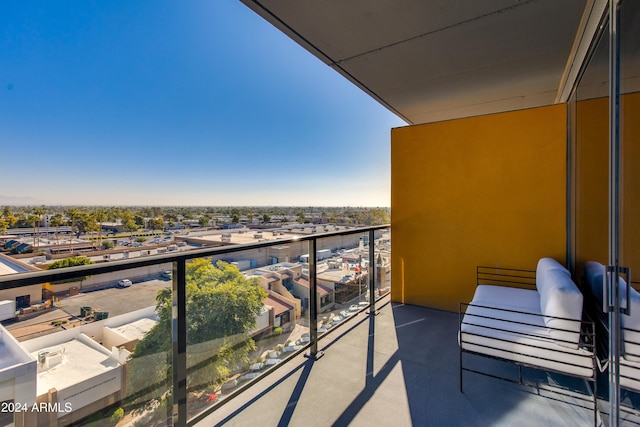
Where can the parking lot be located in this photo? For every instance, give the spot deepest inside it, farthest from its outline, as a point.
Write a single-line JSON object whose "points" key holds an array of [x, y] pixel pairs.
{"points": [[116, 301]]}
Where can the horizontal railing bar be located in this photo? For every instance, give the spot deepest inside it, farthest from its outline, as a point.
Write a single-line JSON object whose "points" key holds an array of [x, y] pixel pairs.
{"points": [[37, 277]]}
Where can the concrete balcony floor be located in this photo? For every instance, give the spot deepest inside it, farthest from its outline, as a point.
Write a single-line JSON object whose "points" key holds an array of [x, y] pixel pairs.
{"points": [[400, 368]]}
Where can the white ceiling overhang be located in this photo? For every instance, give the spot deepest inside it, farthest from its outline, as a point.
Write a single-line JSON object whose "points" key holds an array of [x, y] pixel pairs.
{"points": [[442, 59]]}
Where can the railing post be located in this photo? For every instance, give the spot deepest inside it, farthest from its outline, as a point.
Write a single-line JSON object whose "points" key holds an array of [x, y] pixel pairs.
{"points": [[179, 341], [612, 276], [313, 306], [372, 272]]}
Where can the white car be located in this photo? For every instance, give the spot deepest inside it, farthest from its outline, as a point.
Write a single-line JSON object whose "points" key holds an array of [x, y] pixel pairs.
{"points": [[124, 283], [250, 376], [256, 367], [291, 348]]}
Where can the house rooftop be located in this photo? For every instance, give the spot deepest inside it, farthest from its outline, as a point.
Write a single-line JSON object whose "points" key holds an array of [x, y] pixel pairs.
{"points": [[135, 330], [11, 266], [279, 306], [11, 353], [80, 361], [322, 290]]}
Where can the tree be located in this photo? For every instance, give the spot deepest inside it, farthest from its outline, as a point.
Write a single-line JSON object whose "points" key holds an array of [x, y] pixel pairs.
{"points": [[129, 223], [139, 220], [7, 219], [73, 214], [222, 307], [57, 221], [204, 220], [100, 216], [38, 212], [33, 219], [156, 223], [90, 224], [71, 262], [376, 217]]}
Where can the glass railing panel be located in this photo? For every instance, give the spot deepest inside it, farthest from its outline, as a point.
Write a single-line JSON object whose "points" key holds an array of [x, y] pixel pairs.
{"points": [[93, 348], [383, 262], [342, 278], [247, 312]]}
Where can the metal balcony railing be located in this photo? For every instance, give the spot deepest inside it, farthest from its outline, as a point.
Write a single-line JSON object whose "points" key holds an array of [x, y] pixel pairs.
{"points": [[179, 411]]}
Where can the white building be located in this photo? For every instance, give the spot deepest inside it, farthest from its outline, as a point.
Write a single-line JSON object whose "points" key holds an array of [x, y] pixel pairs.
{"points": [[18, 373]]}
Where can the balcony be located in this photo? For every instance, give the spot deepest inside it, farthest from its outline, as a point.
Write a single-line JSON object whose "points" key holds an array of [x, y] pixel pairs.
{"points": [[392, 363]]}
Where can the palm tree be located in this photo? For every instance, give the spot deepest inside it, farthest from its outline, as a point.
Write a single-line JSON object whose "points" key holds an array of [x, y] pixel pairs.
{"points": [[101, 216], [33, 219], [90, 224], [56, 221], [38, 212], [73, 215]]}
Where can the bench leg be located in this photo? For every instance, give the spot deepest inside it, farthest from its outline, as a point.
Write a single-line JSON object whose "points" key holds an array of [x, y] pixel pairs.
{"points": [[460, 366], [595, 398], [520, 373]]}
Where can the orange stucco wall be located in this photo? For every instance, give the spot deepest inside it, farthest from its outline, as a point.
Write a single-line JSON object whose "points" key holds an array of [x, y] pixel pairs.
{"points": [[488, 190], [592, 182], [630, 216]]}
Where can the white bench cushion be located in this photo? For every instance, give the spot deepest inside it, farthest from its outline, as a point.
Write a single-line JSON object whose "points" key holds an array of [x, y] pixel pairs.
{"points": [[561, 304], [629, 374], [518, 336], [545, 264]]}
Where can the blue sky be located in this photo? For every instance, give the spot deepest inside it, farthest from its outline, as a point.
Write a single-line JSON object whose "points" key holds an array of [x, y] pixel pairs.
{"points": [[196, 102]]}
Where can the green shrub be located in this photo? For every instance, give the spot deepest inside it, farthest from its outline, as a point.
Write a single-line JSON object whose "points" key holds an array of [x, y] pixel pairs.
{"points": [[108, 244], [117, 415], [277, 331]]}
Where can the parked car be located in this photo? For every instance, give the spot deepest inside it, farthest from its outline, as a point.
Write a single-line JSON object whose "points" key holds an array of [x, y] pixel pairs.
{"points": [[229, 385], [249, 376], [166, 274], [272, 362], [291, 348], [274, 354], [256, 367], [124, 283], [354, 307]]}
